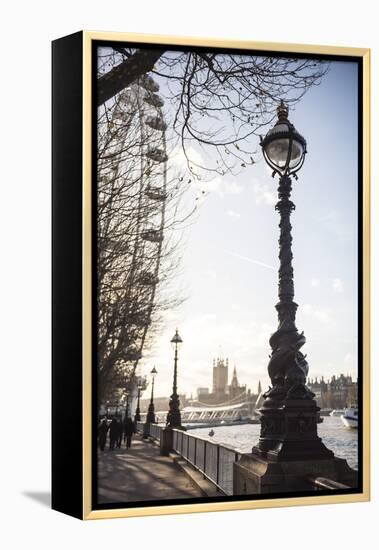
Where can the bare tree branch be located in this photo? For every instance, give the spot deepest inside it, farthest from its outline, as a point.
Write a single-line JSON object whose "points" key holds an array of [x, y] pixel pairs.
{"points": [[127, 72]]}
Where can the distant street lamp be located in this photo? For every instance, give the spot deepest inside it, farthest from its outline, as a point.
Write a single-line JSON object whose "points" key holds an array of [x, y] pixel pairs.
{"points": [[150, 418], [173, 417], [289, 414], [137, 417]]}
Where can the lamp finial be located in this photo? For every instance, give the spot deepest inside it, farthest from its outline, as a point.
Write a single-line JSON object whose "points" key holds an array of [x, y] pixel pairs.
{"points": [[282, 111]]}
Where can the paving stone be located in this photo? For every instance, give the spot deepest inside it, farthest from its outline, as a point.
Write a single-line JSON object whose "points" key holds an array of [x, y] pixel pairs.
{"points": [[140, 474]]}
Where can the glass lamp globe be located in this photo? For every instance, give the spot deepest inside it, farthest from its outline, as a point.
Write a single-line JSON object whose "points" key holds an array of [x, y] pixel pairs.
{"points": [[176, 340], [283, 147]]}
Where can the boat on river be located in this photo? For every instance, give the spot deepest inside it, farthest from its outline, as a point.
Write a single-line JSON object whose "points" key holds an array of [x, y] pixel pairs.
{"points": [[337, 412], [350, 417]]}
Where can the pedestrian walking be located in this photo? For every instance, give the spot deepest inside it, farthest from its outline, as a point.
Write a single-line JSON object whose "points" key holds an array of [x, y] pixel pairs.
{"points": [[113, 433], [102, 433], [129, 430], [120, 430]]}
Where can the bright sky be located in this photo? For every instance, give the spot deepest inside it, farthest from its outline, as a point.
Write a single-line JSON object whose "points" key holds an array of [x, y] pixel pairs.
{"points": [[230, 256]]}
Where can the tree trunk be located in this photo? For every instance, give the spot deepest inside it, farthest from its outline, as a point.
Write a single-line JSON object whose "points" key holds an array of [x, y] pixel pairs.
{"points": [[124, 74]]}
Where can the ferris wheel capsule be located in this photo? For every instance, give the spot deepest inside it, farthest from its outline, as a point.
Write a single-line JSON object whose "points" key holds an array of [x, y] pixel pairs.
{"points": [[155, 193], [148, 279], [156, 123], [152, 235], [157, 155], [154, 100], [149, 83]]}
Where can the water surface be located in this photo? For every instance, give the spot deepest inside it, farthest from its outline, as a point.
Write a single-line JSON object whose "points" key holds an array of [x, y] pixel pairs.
{"points": [[341, 440]]}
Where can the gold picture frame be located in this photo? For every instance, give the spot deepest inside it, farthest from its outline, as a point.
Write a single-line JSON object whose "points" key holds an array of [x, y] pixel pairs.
{"points": [[85, 509]]}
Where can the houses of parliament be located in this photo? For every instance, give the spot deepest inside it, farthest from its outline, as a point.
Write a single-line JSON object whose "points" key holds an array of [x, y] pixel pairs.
{"points": [[336, 393], [222, 392]]}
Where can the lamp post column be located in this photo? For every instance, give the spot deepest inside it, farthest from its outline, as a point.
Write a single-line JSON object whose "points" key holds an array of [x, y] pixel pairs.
{"points": [[287, 368], [150, 418], [174, 417], [286, 307], [289, 415], [137, 417]]}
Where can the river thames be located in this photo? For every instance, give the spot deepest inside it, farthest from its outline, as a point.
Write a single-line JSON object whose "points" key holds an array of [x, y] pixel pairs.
{"points": [[341, 440]]}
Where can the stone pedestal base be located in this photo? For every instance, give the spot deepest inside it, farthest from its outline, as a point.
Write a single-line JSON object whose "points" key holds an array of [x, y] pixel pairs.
{"points": [[289, 432], [166, 441], [253, 475]]}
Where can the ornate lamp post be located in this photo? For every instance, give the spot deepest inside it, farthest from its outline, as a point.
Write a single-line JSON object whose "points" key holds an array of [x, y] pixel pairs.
{"points": [[173, 417], [289, 451], [137, 416], [289, 415], [150, 418]]}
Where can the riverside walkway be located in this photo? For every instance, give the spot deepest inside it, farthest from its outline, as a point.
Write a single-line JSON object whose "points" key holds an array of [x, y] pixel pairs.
{"points": [[141, 474]]}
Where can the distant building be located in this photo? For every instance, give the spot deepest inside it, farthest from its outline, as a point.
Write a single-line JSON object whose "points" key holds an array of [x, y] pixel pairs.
{"points": [[235, 389], [336, 393], [220, 376], [222, 392], [201, 392], [161, 403]]}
